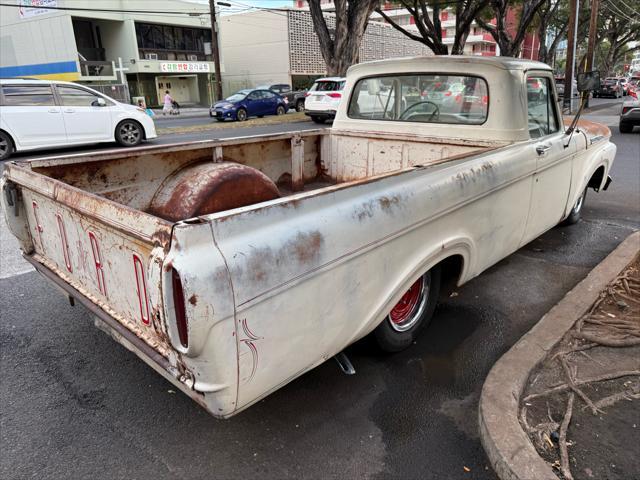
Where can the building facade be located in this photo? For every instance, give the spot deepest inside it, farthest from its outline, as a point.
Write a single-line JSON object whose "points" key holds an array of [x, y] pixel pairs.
{"points": [[166, 48], [265, 47]]}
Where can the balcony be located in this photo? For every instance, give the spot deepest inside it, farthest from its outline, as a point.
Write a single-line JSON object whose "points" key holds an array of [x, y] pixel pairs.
{"points": [[97, 71]]}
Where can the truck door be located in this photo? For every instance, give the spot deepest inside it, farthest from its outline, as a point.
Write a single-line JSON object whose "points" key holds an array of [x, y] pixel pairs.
{"points": [[552, 177]]}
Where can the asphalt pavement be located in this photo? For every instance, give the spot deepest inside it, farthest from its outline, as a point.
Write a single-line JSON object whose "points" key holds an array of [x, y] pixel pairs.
{"points": [[75, 404]]}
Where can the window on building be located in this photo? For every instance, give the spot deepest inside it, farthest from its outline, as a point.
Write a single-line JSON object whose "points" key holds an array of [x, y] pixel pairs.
{"points": [[28, 95], [540, 107], [170, 42]]}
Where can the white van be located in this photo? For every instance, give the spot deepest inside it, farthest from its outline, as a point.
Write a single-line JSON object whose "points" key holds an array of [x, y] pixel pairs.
{"points": [[37, 114]]}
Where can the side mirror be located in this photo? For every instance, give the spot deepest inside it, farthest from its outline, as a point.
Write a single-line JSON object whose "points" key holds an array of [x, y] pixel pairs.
{"points": [[99, 102], [588, 81]]}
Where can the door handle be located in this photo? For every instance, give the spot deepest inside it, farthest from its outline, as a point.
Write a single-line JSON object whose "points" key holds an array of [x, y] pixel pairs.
{"points": [[54, 110], [542, 149], [69, 110]]}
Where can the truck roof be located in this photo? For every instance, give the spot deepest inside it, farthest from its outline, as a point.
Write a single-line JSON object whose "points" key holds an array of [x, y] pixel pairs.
{"points": [[448, 62]]}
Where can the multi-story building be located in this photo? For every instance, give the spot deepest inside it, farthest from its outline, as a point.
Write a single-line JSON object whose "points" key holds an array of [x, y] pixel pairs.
{"points": [[281, 47], [161, 47], [635, 64], [479, 41]]}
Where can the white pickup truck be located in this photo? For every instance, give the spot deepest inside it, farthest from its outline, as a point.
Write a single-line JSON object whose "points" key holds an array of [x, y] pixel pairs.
{"points": [[231, 267]]}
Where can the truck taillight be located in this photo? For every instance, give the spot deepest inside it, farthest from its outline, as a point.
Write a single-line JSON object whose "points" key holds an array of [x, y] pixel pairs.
{"points": [[625, 110], [335, 95], [179, 306]]}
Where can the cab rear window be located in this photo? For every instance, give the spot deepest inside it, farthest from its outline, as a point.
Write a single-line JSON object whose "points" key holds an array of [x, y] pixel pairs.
{"points": [[428, 98]]}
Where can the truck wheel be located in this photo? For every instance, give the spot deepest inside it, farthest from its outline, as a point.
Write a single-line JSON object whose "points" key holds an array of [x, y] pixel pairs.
{"points": [[319, 120], [300, 106], [241, 115], [129, 133], [415, 309], [574, 216], [280, 110], [624, 128], [6, 146]]}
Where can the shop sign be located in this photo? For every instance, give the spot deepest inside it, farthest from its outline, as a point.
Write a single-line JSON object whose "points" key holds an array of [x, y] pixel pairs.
{"points": [[184, 67], [33, 8]]}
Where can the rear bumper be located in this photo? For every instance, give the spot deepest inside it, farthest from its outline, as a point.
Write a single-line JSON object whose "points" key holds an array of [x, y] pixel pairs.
{"points": [[120, 333], [320, 113]]}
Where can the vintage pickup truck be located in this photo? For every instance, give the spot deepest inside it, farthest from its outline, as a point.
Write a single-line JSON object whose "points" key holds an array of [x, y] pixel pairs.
{"points": [[232, 267]]}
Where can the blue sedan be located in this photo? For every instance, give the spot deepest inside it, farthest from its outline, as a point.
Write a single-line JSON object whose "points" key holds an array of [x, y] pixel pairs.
{"points": [[247, 103]]}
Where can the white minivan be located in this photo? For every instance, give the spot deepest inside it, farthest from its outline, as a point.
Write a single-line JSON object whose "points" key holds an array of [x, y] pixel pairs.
{"points": [[38, 114]]}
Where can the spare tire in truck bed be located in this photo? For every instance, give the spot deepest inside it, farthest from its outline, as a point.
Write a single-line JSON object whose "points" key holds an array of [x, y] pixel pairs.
{"points": [[209, 188]]}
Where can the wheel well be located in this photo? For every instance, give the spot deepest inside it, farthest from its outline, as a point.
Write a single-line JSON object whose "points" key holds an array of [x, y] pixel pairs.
{"points": [[144, 132], [596, 179], [13, 142], [450, 272]]}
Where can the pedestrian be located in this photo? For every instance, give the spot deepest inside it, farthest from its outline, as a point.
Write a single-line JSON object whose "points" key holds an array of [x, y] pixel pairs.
{"points": [[168, 103]]}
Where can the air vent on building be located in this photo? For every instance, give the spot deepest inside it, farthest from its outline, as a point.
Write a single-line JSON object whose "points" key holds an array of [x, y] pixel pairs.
{"points": [[151, 56], [193, 58]]}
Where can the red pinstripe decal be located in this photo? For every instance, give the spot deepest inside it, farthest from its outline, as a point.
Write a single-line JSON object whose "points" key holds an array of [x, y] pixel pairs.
{"points": [[39, 228], [143, 298], [65, 242], [97, 259]]}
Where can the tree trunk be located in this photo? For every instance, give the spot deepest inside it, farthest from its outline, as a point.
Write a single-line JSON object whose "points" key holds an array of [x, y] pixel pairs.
{"points": [[341, 51]]}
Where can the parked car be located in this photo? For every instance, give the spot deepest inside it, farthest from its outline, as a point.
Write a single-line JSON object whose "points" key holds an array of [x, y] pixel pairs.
{"points": [[248, 103], [41, 114], [630, 113], [535, 89], [295, 99], [610, 87], [233, 277], [323, 98], [560, 87]]}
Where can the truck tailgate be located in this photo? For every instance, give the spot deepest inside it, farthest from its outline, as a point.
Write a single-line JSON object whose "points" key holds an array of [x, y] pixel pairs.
{"points": [[108, 252]]}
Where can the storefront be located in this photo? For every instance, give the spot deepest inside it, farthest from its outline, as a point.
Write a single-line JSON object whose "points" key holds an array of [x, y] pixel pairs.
{"points": [[189, 83]]}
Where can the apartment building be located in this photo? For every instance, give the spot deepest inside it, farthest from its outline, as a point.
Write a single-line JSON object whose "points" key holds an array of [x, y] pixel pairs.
{"points": [[162, 45]]}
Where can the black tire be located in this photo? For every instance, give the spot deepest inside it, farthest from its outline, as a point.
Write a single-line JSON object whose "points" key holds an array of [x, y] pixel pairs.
{"points": [[241, 115], [129, 133], [576, 211], [626, 127], [399, 333], [260, 116], [6, 146], [300, 106], [280, 110], [315, 119]]}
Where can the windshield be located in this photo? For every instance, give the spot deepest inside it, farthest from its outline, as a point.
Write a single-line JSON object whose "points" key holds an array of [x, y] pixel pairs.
{"points": [[428, 98], [236, 97], [327, 86]]}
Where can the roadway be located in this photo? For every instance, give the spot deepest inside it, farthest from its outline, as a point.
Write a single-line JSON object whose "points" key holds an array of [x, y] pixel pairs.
{"points": [[74, 404]]}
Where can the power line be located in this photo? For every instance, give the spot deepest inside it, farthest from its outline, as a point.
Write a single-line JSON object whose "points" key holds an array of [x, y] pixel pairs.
{"points": [[113, 10]]}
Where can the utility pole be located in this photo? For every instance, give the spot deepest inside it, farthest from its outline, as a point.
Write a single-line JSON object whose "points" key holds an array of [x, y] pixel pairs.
{"points": [[571, 55], [591, 47], [215, 50]]}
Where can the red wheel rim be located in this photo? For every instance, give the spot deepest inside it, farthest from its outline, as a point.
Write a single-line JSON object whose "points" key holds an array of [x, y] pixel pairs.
{"points": [[406, 307]]}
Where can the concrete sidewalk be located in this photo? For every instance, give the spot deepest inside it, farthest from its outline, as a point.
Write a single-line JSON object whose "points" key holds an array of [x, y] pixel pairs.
{"points": [[501, 411], [186, 112]]}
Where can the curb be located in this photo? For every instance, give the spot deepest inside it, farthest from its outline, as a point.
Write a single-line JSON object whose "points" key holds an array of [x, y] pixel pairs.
{"points": [[510, 452]]}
